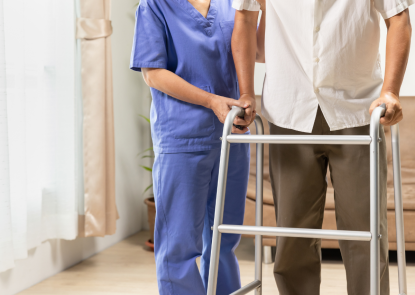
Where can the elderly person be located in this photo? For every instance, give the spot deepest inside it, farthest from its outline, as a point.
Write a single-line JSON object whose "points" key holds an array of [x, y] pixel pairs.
{"points": [[324, 78]]}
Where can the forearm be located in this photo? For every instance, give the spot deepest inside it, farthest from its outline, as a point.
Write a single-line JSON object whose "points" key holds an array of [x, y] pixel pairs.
{"points": [[397, 52], [244, 49], [260, 35], [173, 85]]}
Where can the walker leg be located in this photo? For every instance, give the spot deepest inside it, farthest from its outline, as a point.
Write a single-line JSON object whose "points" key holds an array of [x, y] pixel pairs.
{"points": [[268, 258], [374, 211], [220, 202], [259, 204], [400, 233]]}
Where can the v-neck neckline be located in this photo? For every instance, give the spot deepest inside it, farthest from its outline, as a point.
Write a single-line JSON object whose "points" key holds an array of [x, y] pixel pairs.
{"points": [[207, 21], [210, 5]]}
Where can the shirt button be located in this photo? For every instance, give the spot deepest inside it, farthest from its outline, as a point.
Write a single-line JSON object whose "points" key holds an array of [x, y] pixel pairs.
{"points": [[316, 91], [317, 60], [317, 29]]}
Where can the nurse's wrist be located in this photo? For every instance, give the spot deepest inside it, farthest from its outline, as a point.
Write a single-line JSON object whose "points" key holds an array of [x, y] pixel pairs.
{"points": [[210, 101]]}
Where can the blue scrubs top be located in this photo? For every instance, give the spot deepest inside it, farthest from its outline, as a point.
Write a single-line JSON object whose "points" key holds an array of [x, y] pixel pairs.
{"points": [[173, 35]]}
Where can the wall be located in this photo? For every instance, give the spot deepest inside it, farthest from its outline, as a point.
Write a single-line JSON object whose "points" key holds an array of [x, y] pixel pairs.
{"points": [[259, 78], [408, 87], [131, 98]]}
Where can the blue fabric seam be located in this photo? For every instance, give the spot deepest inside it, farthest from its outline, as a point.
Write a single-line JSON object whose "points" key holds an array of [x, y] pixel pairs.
{"points": [[139, 65], [149, 7], [202, 21], [167, 228]]}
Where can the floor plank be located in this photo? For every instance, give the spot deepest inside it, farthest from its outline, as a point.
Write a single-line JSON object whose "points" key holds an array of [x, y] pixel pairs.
{"points": [[129, 268]]}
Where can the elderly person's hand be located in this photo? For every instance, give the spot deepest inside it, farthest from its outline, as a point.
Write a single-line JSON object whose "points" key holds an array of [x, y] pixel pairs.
{"points": [[393, 114], [249, 104]]}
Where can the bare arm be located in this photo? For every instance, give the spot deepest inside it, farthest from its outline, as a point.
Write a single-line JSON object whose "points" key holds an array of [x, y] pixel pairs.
{"points": [[397, 53], [260, 35], [171, 84], [244, 49]]}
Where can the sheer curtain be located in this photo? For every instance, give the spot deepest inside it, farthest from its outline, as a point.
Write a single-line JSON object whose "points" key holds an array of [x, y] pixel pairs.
{"points": [[38, 177], [6, 243]]}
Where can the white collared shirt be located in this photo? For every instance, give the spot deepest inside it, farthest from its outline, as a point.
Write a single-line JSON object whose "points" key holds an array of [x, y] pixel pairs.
{"points": [[322, 53]]}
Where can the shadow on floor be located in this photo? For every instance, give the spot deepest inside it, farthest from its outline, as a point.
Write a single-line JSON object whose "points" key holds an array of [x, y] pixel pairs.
{"points": [[331, 255], [410, 257], [335, 255]]}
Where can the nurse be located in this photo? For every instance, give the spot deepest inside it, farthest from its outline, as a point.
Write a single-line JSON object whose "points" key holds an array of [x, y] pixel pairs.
{"points": [[183, 48]]}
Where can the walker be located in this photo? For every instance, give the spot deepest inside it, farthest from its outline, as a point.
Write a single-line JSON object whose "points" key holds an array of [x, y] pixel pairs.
{"points": [[372, 236]]}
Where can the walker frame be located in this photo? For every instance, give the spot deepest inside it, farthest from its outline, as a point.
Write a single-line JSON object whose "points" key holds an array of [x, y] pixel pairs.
{"points": [[373, 236]]}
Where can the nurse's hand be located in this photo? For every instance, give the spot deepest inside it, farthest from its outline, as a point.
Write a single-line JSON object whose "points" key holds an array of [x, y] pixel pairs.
{"points": [[249, 104], [222, 105]]}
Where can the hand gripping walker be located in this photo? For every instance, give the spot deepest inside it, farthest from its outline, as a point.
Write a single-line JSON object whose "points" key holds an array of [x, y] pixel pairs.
{"points": [[373, 236]]}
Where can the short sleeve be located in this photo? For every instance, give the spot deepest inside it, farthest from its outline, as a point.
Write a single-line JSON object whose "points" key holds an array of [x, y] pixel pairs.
{"points": [[390, 8], [150, 40], [251, 5]]}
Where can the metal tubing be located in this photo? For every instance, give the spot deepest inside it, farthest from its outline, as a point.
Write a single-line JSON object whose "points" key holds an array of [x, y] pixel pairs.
{"points": [[259, 202], [268, 257], [301, 139], [248, 288], [220, 200], [374, 202], [296, 232], [373, 236], [400, 233]]}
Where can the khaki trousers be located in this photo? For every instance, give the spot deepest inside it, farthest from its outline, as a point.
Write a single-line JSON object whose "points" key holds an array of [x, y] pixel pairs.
{"points": [[298, 177]]}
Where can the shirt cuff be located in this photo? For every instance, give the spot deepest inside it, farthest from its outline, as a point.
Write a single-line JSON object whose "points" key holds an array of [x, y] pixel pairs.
{"points": [[251, 5], [398, 9], [136, 66]]}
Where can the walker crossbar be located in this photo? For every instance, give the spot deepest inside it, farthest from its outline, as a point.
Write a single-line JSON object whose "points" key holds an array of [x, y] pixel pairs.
{"points": [[258, 230], [296, 232], [301, 139], [248, 288]]}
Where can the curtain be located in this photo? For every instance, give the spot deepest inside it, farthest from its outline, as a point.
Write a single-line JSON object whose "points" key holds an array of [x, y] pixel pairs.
{"points": [[94, 30], [38, 178], [6, 243]]}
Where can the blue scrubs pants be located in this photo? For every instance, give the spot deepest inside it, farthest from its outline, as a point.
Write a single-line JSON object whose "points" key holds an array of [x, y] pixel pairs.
{"points": [[185, 193]]}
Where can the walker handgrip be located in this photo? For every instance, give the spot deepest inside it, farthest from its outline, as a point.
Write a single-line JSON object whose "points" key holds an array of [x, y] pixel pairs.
{"points": [[241, 115], [383, 106], [241, 111]]}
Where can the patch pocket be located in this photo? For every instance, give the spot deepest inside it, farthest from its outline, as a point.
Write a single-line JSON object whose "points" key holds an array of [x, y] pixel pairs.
{"points": [[227, 30], [187, 120]]}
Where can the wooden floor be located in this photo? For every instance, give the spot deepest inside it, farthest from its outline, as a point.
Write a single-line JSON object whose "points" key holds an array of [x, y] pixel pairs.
{"points": [[128, 268]]}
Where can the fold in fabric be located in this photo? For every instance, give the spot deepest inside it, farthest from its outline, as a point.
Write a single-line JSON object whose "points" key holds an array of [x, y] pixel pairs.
{"points": [[250, 5], [90, 29], [94, 30]]}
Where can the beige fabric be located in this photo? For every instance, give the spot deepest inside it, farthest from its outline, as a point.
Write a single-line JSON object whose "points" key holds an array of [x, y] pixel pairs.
{"points": [[298, 176], [87, 28], [268, 217], [94, 29]]}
